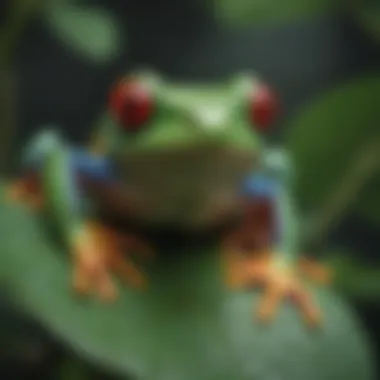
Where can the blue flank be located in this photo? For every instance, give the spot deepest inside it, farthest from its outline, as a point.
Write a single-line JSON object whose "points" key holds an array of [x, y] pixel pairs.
{"points": [[103, 170], [81, 163]]}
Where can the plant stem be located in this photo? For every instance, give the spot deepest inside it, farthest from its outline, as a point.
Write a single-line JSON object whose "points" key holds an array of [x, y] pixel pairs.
{"points": [[18, 17], [346, 192]]}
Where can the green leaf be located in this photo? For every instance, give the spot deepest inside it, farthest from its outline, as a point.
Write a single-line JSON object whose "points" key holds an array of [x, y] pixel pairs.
{"points": [[329, 135], [186, 326], [243, 13], [90, 32]]}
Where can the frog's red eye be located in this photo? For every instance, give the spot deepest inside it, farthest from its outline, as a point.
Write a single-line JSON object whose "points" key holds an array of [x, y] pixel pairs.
{"points": [[263, 107], [131, 103]]}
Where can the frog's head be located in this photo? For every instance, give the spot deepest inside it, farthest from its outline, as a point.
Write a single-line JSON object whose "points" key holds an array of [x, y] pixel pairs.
{"points": [[150, 121]]}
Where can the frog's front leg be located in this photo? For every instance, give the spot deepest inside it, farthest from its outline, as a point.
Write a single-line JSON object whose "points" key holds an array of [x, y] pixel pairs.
{"points": [[97, 251], [262, 252]]}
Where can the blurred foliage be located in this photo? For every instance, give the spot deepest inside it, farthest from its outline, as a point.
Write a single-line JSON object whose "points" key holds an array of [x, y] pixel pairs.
{"points": [[243, 13], [328, 138], [24, 350], [367, 12], [17, 14], [89, 31], [27, 351]]}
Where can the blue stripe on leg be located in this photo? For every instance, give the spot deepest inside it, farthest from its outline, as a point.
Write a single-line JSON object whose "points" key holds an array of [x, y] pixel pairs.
{"points": [[78, 164]]}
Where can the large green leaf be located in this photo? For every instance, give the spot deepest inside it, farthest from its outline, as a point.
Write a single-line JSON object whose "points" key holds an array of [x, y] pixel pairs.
{"points": [[186, 326], [90, 32], [328, 137], [243, 13]]}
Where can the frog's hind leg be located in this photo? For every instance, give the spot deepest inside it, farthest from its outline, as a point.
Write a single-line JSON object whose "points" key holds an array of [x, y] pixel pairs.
{"points": [[267, 242], [252, 262], [250, 241], [280, 281]]}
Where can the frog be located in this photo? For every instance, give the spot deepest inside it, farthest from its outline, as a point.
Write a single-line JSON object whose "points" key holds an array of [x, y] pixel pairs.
{"points": [[187, 154]]}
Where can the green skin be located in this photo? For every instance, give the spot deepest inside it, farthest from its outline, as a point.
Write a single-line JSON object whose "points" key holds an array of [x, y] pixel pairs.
{"points": [[196, 145], [186, 165], [191, 159]]}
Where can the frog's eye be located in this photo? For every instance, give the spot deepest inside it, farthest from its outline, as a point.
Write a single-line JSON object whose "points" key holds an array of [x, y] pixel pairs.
{"points": [[263, 107], [131, 102]]}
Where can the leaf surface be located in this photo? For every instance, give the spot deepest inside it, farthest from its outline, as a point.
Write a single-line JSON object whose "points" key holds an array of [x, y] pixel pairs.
{"points": [[186, 326]]}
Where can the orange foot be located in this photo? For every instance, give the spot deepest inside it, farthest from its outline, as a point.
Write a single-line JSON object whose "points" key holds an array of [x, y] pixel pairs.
{"points": [[98, 253], [25, 190], [279, 281]]}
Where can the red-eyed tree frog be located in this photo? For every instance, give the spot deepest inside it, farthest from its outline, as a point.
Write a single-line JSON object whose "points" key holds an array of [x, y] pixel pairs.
{"points": [[191, 155]]}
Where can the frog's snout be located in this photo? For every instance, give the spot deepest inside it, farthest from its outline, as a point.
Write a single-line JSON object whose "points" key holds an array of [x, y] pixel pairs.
{"points": [[210, 120]]}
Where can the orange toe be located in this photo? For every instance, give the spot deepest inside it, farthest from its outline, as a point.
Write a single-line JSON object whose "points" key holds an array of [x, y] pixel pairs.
{"points": [[275, 294]]}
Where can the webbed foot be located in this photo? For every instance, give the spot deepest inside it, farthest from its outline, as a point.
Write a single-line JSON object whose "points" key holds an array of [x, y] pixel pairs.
{"points": [[279, 281], [99, 252]]}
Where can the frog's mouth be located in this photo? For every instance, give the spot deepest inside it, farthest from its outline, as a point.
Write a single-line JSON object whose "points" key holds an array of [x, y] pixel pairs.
{"points": [[187, 165]]}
